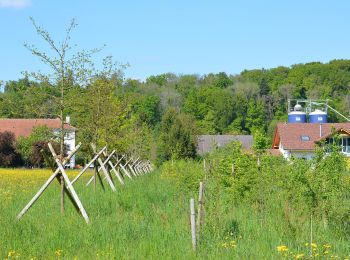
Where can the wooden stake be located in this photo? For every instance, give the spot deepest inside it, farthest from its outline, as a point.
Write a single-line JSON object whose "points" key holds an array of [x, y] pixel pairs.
{"points": [[69, 184], [311, 253], [116, 173], [193, 224], [205, 170], [97, 155], [46, 184], [62, 194], [200, 208]]}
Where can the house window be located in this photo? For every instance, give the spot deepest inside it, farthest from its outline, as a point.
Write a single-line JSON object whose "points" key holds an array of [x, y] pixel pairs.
{"points": [[305, 138], [346, 144], [342, 143]]}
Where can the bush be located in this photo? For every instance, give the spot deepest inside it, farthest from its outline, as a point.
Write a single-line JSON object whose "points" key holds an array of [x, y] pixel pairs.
{"points": [[39, 149], [30, 146], [9, 157]]}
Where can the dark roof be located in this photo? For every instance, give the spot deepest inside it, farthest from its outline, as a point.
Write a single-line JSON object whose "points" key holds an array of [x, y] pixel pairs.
{"points": [[289, 135], [207, 142], [24, 127]]}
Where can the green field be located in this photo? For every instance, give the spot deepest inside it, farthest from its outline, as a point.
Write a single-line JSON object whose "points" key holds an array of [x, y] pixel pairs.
{"points": [[148, 218]]}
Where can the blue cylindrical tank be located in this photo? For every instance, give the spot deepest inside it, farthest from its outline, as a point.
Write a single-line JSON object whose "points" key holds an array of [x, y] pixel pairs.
{"points": [[297, 117], [318, 116]]}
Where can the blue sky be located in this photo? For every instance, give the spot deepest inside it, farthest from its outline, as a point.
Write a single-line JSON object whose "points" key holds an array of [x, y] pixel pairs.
{"points": [[180, 36]]}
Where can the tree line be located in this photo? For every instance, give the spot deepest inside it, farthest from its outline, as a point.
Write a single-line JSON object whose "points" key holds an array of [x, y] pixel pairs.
{"points": [[159, 117]]}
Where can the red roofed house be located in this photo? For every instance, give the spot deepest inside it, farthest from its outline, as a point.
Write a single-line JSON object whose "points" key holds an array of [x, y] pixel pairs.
{"points": [[24, 127], [300, 139]]}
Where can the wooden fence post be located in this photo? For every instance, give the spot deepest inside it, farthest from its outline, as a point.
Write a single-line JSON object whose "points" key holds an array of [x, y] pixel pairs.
{"points": [[193, 224], [200, 208]]}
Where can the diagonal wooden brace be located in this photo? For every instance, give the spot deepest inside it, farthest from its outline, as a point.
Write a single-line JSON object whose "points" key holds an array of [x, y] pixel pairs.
{"points": [[109, 158], [104, 170], [46, 184], [88, 165], [69, 184]]}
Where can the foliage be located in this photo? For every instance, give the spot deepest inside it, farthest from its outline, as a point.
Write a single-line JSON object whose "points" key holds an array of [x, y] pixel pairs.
{"points": [[26, 145], [112, 110], [40, 150], [274, 191], [177, 137], [9, 157]]}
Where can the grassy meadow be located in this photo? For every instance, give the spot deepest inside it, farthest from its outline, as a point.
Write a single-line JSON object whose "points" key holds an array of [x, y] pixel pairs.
{"points": [[148, 218]]}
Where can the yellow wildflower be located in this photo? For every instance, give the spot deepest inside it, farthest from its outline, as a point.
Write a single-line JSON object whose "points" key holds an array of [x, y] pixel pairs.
{"points": [[58, 252], [282, 248], [298, 256], [11, 253], [313, 245], [327, 246], [233, 244], [224, 244]]}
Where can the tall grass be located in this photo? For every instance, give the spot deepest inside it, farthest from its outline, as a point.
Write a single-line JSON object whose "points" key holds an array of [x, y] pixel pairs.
{"points": [[144, 219], [148, 218]]}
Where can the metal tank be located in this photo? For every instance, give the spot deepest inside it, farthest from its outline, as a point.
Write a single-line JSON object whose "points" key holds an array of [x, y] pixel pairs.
{"points": [[318, 116], [297, 116]]}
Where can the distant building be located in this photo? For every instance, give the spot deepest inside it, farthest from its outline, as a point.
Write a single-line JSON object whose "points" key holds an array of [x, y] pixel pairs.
{"points": [[206, 143], [24, 127], [300, 140]]}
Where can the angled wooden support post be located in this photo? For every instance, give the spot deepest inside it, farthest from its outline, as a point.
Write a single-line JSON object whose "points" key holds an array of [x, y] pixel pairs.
{"points": [[131, 167], [116, 172], [125, 171], [68, 183], [107, 161], [139, 168], [149, 164], [97, 155], [144, 168], [104, 170], [113, 168], [127, 163], [51, 178]]}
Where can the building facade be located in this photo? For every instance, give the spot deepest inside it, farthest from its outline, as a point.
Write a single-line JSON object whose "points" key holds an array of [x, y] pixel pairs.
{"points": [[24, 127], [300, 140]]}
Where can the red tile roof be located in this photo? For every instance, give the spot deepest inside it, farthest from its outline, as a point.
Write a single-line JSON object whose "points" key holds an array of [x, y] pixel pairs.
{"points": [[24, 127], [290, 134]]}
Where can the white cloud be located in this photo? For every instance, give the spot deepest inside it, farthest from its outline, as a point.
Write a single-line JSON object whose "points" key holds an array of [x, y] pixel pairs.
{"points": [[15, 3]]}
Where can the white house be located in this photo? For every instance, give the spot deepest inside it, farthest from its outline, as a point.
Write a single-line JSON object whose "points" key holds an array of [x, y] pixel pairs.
{"points": [[24, 127], [300, 140]]}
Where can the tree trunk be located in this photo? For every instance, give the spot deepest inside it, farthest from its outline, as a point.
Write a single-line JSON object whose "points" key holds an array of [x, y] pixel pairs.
{"points": [[62, 133]]}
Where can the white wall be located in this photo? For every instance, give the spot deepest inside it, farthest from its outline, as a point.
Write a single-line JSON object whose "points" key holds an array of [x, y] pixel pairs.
{"points": [[69, 141]]}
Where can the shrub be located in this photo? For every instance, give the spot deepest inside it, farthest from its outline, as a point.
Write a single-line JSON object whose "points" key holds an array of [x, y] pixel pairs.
{"points": [[30, 146], [9, 157], [41, 149]]}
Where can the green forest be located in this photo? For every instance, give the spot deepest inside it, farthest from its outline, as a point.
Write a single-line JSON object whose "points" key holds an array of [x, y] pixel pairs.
{"points": [[148, 117]]}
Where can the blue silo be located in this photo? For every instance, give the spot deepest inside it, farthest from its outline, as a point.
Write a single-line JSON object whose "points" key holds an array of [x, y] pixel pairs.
{"points": [[318, 116], [297, 117]]}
